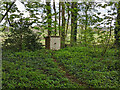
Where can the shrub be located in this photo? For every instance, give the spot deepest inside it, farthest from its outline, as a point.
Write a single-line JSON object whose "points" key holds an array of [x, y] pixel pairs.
{"points": [[21, 37]]}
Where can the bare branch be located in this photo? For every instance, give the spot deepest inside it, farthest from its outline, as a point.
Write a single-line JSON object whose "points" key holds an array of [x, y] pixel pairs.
{"points": [[8, 10]]}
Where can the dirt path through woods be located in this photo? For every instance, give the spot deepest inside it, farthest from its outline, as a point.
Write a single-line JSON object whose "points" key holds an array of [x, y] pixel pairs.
{"points": [[70, 77]]}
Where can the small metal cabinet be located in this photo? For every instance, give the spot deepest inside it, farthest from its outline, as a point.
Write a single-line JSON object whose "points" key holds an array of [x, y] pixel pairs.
{"points": [[53, 42]]}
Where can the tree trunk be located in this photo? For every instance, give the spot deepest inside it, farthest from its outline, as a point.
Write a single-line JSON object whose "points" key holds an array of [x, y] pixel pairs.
{"points": [[63, 26], [86, 16], [86, 20], [59, 18], [49, 17], [20, 42], [55, 16], [73, 23], [67, 19], [117, 28], [110, 29]]}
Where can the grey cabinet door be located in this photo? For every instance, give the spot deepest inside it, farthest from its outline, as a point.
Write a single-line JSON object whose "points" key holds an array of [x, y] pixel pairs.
{"points": [[54, 43]]}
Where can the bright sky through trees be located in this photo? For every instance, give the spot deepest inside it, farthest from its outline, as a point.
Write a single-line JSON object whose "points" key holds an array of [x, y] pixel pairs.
{"points": [[22, 8]]}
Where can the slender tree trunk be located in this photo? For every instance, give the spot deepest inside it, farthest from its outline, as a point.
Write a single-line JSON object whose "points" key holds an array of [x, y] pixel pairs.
{"points": [[86, 16], [21, 37], [49, 17], [117, 28], [86, 21], [63, 26], [73, 23], [55, 16], [59, 18], [20, 43], [68, 19], [110, 29], [75, 30]]}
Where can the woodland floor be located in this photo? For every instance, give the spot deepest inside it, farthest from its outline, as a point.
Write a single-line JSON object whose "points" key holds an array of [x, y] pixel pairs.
{"points": [[74, 67]]}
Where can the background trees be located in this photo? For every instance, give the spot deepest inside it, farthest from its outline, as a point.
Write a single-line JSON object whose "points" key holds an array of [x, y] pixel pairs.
{"points": [[20, 36], [76, 22]]}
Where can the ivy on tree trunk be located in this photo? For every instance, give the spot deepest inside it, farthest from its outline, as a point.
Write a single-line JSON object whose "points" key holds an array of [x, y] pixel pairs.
{"points": [[63, 26], [48, 7], [73, 23], [55, 16]]}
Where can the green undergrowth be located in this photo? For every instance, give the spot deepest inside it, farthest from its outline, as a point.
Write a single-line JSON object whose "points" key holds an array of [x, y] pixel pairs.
{"points": [[36, 69], [32, 70], [87, 65]]}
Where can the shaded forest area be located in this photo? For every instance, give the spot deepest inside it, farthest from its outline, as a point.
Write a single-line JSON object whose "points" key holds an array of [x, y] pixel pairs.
{"points": [[90, 45]]}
